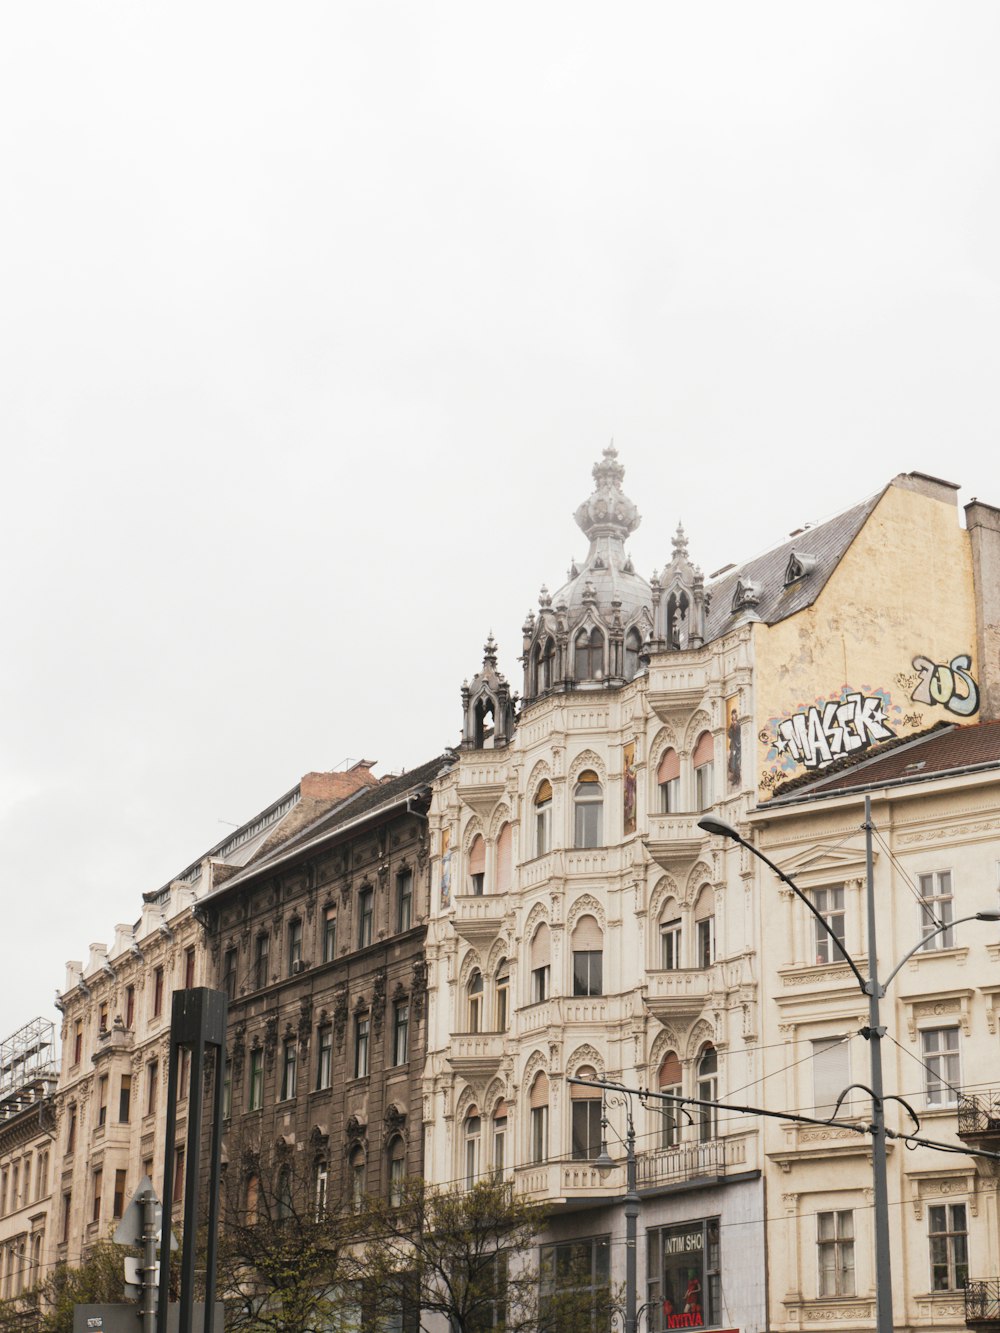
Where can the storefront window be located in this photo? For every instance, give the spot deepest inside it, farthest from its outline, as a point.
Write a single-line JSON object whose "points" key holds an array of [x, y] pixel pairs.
{"points": [[684, 1281], [575, 1280]]}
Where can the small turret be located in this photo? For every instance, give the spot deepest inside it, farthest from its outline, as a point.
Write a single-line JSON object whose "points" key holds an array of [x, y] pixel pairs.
{"points": [[487, 696]]}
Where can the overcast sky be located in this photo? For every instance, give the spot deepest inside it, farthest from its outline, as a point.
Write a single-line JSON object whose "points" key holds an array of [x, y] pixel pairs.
{"points": [[315, 317]]}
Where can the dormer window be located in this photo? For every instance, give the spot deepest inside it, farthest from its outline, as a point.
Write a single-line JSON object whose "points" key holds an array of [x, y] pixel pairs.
{"points": [[633, 643], [589, 654], [746, 596], [799, 565]]}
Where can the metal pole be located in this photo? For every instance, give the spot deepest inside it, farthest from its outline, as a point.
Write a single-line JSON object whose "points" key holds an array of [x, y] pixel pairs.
{"points": [[213, 1188], [883, 1261], [631, 1223], [147, 1308], [189, 1252], [169, 1152]]}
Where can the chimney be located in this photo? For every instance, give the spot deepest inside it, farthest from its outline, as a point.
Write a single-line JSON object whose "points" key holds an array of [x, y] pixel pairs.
{"points": [[983, 524], [336, 786]]}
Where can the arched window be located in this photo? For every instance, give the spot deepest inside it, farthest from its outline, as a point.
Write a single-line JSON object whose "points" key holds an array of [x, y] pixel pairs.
{"points": [[586, 1112], [502, 993], [538, 1105], [590, 654], [633, 644], [668, 776], [670, 937], [357, 1179], [708, 1091], [588, 958], [499, 1137], [546, 665], [252, 1199], [543, 817], [475, 993], [322, 1181], [473, 1130], [677, 610], [588, 811], [704, 753], [505, 857], [671, 1081], [397, 1169], [485, 708], [704, 926], [477, 866], [540, 960]]}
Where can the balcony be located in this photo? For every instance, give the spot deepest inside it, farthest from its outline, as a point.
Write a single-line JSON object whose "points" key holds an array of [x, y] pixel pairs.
{"points": [[979, 1119], [564, 1010], [476, 1055], [675, 841], [478, 917], [982, 1304], [481, 783], [566, 1183], [689, 1161], [681, 993]]}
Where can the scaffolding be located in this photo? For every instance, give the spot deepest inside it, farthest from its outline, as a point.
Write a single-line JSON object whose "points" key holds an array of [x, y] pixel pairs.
{"points": [[27, 1055]]}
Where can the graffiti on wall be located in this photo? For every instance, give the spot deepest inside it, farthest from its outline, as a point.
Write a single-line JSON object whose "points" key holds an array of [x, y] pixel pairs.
{"points": [[947, 684], [818, 733]]}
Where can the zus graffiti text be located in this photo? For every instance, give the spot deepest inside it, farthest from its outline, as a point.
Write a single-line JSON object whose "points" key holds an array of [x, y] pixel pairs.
{"points": [[949, 685]]}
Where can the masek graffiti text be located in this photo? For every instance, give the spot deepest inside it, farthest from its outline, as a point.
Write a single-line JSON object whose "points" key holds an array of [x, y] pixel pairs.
{"points": [[826, 731]]}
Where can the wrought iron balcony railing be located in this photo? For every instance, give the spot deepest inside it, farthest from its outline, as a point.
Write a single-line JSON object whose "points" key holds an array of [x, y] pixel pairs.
{"points": [[979, 1114], [982, 1301]]}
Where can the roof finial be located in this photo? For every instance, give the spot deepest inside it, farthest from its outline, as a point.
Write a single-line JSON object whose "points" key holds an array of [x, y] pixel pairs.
{"points": [[490, 651]]}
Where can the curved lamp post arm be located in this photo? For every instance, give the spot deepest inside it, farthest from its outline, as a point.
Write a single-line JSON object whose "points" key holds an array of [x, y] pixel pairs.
{"points": [[939, 930], [724, 830]]}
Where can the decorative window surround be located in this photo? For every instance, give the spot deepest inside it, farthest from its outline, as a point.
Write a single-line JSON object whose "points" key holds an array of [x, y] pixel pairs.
{"points": [[956, 956], [959, 1185], [931, 1010]]}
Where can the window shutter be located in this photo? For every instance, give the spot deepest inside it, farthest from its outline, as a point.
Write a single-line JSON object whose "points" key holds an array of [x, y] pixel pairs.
{"points": [[670, 1071], [539, 1095], [669, 767], [704, 751], [540, 950], [477, 857], [587, 937]]}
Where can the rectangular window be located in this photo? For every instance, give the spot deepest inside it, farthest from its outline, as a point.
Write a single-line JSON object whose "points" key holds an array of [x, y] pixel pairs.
{"points": [[130, 1007], [183, 1074], [831, 1061], [95, 1210], [949, 1238], [289, 1066], [361, 1033], [260, 970], [586, 1130], [683, 1277], [400, 1032], [119, 1196], [102, 1016], [178, 1174], [152, 1078], [577, 1271], [67, 1211], [255, 1099], [703, 793], [125, 1099], [499, 1143], [294, 946], [587, 821], [670, 1117], [706, 941], [539, 1133], [937, 908], [229, 973], [366, 916], [542, 818], [540, 984], [939, 1048], [78, 1041], [670, 945], [503, 999], [71, 1130], [404, 900], [188, 968], [102, 1100], [835, 1247], [227, 1091], [330, 935], [670, 796], [324, 1061], [478, 884], [830, 905], [157, 992], [588, 972]]}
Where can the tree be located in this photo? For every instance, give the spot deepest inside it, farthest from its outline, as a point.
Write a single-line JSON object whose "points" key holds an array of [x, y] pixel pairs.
{"points": [[99, 1279], [466, 1256], [280, 1268]]}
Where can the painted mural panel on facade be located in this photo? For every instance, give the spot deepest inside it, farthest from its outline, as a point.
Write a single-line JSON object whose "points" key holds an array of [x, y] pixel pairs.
{"points": [[628, 788], [734, 744]]}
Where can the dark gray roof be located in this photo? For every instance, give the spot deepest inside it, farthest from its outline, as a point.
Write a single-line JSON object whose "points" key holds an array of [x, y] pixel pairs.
{"points": [[827, 542]]}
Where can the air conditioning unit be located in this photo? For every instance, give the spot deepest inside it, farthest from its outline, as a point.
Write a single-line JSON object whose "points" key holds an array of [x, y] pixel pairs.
{"points": [[298, 966]]}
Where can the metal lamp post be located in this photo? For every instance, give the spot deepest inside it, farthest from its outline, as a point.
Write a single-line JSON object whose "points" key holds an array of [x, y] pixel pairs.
{"points": [[874, 990], [605, 1163]]}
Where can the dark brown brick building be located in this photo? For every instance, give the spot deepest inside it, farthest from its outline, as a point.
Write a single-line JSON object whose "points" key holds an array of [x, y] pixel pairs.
{"points": [[320, 947]]}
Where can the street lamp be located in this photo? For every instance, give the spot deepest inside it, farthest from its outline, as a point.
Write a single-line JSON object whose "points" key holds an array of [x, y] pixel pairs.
{"points": [[874, 1033]]}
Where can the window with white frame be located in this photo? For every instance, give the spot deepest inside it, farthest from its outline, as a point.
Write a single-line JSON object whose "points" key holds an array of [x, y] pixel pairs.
{"points": [[835, 1251], [500, 1137], [831, 1069], [668, 779], [538, 1105], [400, 1032], [671, 1080], [540, 962], [397, 1170], [543, 818], [585, 1106], [588, 811], [829, 902], [704, 926], [475, 997], [670, 939], [937, 908], [502, 995], [477, 866], [702, 761], [708, 1091], [948, 1231], [588, 957], [473, 1131], [942, 1072], [324, 1059]]}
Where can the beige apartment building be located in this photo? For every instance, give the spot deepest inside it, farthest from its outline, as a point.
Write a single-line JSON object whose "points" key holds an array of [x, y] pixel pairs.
{"points": [[936, 812]]}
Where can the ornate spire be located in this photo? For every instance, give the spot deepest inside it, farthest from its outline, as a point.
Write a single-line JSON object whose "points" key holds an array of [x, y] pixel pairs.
{"points": [[609, 511], [680, 542], [490, 651]]}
